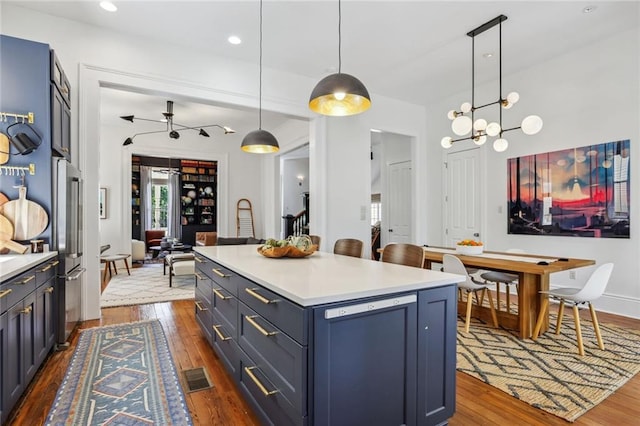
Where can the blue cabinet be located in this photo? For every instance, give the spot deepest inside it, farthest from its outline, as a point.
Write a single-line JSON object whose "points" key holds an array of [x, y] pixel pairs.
{"points": [[364, 362], [437, 315], [387, 360]]}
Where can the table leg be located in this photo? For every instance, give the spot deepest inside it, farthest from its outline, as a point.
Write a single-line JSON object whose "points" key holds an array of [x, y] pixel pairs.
{"points": [[530, 303], [106, 268]]}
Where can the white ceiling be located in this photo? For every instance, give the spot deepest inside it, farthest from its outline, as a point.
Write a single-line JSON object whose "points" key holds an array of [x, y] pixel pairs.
{"points": [[411, 50]]}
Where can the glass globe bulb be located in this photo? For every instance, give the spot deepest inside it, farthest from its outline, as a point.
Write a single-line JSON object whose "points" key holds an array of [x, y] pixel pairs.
{"points": [[446, 142], [480, 124], [451, 115], [480, 140], [499, 145], [461, 125], [606, 164], [493, 129], [465, 107], [513, 97], [506, 104], [531, 125]]}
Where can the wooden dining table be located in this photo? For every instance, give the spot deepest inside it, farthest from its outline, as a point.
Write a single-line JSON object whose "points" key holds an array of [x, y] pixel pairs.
{"points": [[532, 278]]}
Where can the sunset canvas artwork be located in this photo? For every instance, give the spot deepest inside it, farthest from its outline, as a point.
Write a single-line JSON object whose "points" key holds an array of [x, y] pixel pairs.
{"points": [[580, 192]]}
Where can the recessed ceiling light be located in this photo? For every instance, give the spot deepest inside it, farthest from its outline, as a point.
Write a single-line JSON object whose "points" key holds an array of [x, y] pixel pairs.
{"points": [[487, 55], [234, 39], [376, 130], [108, 6], [589, 9]]}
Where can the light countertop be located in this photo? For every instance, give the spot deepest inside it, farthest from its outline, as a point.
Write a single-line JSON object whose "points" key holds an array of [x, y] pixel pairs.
{"points": [[324, 277], [12, 265]]}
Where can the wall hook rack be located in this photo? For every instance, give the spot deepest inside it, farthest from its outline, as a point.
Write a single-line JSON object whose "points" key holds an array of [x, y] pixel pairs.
{"points": [[30, 117], [18, 170]]}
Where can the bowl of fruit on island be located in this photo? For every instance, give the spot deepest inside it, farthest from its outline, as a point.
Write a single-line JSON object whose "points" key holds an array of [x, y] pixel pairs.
{"points": [[469, 247], [294, 246]]}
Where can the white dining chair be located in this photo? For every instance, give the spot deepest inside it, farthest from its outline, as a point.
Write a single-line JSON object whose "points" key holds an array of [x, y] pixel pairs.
{"points": [[454, 265], [507, 279], [592, 290]]}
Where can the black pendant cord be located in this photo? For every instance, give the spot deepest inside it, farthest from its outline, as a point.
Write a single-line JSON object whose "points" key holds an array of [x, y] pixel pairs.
{"points": [[339, 37], [500, 73], [260, 84]]}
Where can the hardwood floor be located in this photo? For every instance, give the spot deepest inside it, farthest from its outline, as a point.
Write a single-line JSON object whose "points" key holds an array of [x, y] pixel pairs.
{"points": [[477, 403]]}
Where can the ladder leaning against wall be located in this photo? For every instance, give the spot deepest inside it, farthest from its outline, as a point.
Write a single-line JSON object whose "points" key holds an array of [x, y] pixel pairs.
{"points": [[244, 219]]}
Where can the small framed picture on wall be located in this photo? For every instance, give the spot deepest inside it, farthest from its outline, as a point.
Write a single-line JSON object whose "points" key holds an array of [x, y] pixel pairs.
{"points": [[102, 203]]}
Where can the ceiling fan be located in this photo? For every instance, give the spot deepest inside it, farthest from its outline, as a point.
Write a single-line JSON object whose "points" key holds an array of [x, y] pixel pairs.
{"points": [[168, 119]]}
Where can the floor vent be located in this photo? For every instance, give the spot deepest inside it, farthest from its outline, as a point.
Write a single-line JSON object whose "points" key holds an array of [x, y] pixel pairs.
{"points": [[196, 379]]}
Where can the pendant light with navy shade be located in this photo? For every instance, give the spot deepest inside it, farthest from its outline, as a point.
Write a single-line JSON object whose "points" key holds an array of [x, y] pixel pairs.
{"points": [[260, 141]]}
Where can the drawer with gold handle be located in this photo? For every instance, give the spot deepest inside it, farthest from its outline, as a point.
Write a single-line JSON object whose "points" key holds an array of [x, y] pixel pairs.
{"points": [[263, 389], [222, 337]]}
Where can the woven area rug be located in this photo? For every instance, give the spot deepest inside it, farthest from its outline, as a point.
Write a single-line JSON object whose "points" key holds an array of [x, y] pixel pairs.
{"points": [[146, 285], [121, 375], [548, 373]]}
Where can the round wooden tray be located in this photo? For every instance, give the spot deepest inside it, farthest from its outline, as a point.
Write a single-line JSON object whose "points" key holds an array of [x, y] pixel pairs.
{"points": [[289, 251]]}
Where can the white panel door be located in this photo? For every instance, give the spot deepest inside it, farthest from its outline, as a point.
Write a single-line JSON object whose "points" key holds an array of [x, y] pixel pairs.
{"points": [[463, 211], [399, 202]]}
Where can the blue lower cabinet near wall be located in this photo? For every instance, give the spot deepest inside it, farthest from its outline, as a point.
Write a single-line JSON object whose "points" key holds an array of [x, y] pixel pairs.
{"points": [[391, 363]]}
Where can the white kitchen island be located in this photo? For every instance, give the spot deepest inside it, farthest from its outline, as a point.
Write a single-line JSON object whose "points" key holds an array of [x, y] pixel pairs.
{"points": [[331, 339]]}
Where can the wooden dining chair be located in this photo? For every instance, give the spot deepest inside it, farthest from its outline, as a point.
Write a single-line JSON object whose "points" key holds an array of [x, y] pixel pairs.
{"points": [[348, 247], [592, 290], [403, 254], [454, 265], [315, 239]]}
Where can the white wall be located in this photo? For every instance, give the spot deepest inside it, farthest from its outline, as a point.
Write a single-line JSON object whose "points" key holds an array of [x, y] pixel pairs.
{"points": [[586, 97]]}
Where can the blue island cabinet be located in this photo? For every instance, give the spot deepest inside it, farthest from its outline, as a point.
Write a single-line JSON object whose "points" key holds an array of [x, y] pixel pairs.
{"points": [[383, 360]]}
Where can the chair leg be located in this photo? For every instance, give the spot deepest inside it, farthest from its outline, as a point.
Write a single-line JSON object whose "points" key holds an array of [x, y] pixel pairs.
{"points": [[508, 286], [497, 295], [596, 326], [170, 278], [560, 316], [576, 318], [468, 317], [106, 268], [494, 317], [126, 263], [543, 309]]}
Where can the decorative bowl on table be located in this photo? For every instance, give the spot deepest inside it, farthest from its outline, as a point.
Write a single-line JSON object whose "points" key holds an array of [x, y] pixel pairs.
{"points": [[274, 252], [469, 247]]}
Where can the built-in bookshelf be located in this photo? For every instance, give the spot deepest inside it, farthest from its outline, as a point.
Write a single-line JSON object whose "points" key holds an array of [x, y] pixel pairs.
{"points": [[199, 192], [136, 231]]}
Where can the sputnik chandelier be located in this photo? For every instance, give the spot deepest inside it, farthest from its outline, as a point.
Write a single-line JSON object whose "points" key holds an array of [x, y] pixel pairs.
{"points": [[464, 122], [173, 132]]}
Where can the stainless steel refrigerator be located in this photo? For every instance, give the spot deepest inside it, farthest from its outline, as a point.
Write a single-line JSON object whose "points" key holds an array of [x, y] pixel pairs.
{"points": [[67, 240]]}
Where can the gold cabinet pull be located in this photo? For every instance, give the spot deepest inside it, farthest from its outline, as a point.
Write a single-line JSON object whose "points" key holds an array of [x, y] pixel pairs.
{"points": [[220, 273], [199, 306], [49, 290], [258, 327], [252, 291], [219, 333], [263, 389], [220, 295], [49, 266], [197, 259], [3, 293], [26, 280], [198, 276], [26, 310]]}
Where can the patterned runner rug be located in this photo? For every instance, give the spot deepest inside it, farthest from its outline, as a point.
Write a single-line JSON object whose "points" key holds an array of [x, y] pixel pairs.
{"points": [[121, 375], [548, 373], [146, 285]]}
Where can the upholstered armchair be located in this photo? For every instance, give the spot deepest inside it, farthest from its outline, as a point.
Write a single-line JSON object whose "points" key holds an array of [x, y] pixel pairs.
{"points": [[153, 237]]}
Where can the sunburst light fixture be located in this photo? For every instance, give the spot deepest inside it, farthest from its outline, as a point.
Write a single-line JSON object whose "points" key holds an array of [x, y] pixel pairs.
{"points": [[464, 122], [174, 132]]}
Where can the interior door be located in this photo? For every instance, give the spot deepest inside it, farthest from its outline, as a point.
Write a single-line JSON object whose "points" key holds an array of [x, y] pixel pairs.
{"points": [[399, 202], [462, 199]]}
